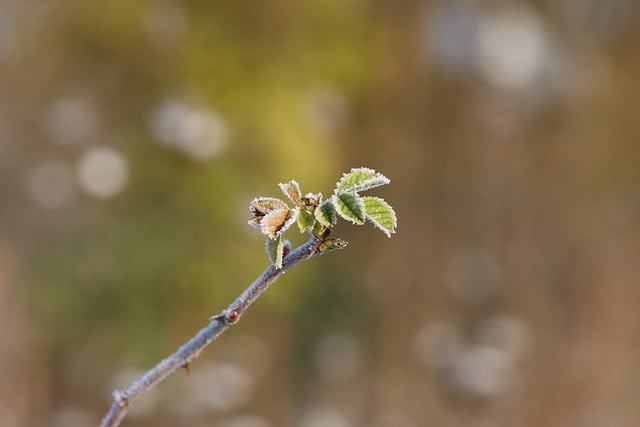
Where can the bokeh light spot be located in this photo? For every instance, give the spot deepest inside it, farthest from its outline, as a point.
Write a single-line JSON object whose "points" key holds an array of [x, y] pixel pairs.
{"points": [[507, 333], [217, 386], [197, 133], [512, 49], [480, 370], [102, 172], [435, 343], [451, 31]]}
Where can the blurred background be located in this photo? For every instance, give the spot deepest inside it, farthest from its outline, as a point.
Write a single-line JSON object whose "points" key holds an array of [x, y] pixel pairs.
{"points": [[133, 135]]}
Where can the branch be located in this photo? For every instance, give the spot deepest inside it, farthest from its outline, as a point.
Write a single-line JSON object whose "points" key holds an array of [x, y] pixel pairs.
{"points": [[218, 324]]}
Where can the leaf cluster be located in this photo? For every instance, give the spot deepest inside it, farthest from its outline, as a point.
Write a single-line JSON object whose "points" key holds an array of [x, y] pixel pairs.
{"points": [[314, 215]]}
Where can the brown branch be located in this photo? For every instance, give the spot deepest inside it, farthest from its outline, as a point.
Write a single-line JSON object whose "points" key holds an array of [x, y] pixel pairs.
{"points": [[218, 324]]}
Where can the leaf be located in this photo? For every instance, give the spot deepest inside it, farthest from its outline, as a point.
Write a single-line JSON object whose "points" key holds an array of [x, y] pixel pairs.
{"points": [[275, 249], [278, 221], [331, 244], [349, 206], [360, 179], [381, 214], [292, 190], [326, 214], [262, 206], [306, 221]]}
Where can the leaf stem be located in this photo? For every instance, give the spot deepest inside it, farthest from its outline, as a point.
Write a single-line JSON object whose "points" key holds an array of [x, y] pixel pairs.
{"points": [[188, 352]]}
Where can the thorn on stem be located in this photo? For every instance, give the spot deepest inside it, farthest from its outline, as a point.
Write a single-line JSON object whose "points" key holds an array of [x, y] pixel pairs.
{"points": [[121, 398], [227, 317], [187, 367]]}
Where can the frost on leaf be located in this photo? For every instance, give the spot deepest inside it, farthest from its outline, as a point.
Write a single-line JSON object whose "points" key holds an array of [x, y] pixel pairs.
{"points": [[292, 190], [275, 250], [306, 221], [360, 179], [381, 214], [278, 221], [261, 206], [326, 214], [273, 216], [313, 214], [350, 207]]}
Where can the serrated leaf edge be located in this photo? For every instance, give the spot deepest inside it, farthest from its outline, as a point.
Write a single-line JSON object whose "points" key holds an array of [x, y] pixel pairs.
{"points": [[376, 223], [298, 194], [275, 253], [292, 216], [319, 213], [374, 181], [275, 200], [335, 199], [301, 214]]}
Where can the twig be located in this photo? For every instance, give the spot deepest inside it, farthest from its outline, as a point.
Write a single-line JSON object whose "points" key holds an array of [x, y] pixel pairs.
{"points": [[218, 324]]}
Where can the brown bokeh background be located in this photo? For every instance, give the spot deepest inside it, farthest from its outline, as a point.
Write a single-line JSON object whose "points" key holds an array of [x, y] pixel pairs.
{"points": [[133, 134]]}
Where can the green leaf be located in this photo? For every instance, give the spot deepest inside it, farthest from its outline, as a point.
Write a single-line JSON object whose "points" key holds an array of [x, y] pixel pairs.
{"points": [[360, 179], [306, 221], [292, 190], [275, 249], [326, 214], [331, 244], [349, 206], [381, 214]]}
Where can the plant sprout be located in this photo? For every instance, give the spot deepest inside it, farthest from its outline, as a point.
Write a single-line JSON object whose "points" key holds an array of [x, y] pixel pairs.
{"points": [[274, 217], [312, 214]]}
